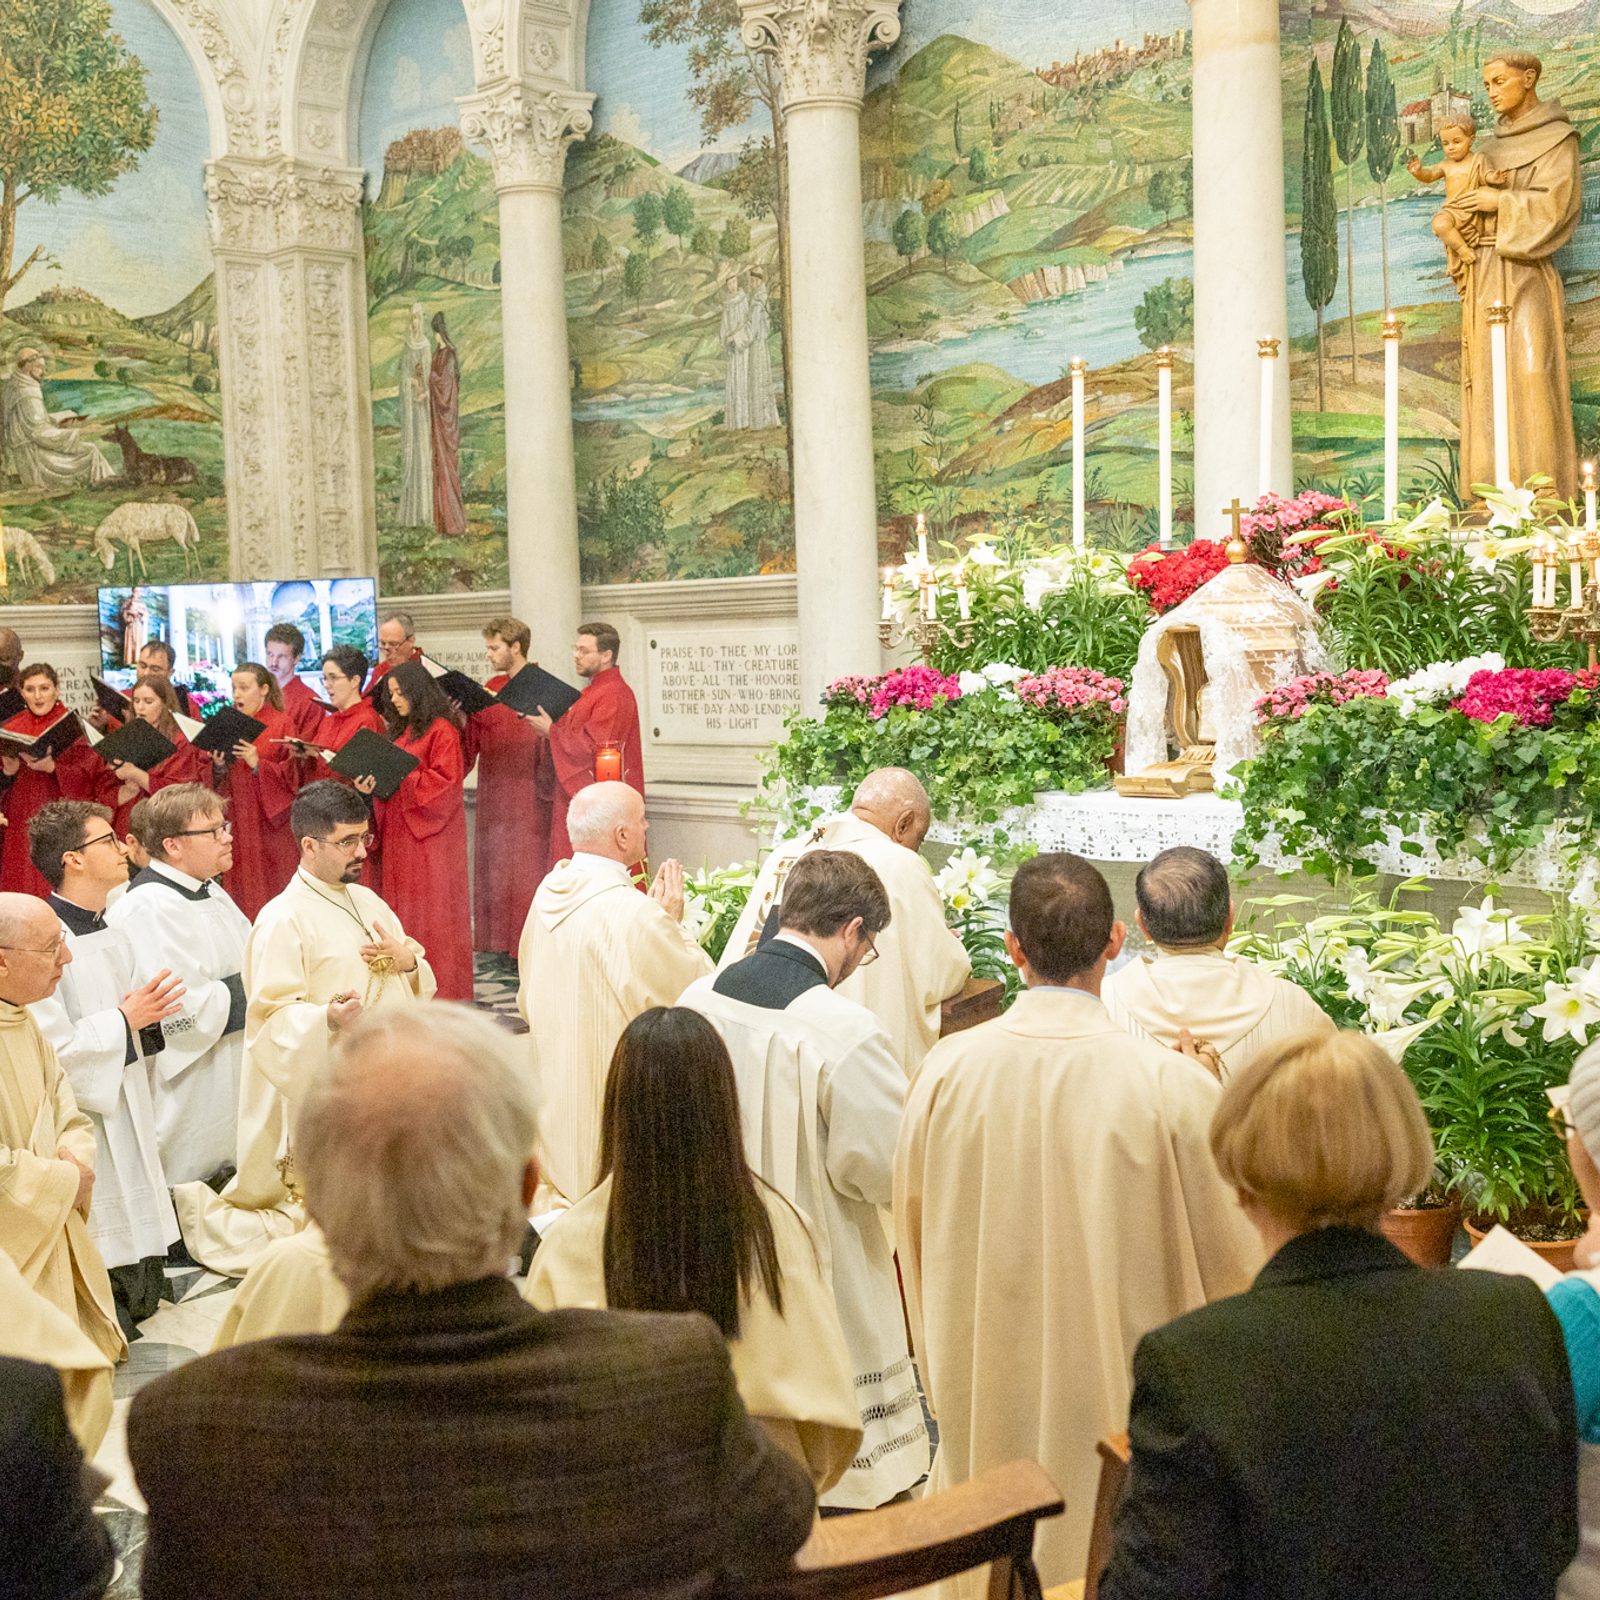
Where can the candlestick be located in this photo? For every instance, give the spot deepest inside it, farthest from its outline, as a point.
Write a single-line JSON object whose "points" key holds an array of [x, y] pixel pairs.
{"points": [[922, 540], [1575, 573], [1499, 316], [963, 595], [1588, 498], [1391, 415], [1267, 349], [1079, 369], [1164, 442], [927, 595], [888, 594]]}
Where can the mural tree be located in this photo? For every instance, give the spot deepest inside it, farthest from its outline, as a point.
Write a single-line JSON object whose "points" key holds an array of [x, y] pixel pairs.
{"points": [[73, 111], [1383, 142], [1349, 117], [677, 214], [1319, 219]]}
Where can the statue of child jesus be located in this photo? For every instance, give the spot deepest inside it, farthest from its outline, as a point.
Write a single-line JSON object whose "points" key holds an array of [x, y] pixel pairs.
{"points": [[1463, 170]]}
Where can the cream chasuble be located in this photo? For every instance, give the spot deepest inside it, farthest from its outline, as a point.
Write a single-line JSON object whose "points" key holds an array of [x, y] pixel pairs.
{"points": [[40, 1227], [1055, 1199], [820, 1096], [792, 1368], [920, 964], [31, 1329], [131, 1218], [303, 950], [1231, 1003], [195, 931], [594, 954], [289, 1289]]}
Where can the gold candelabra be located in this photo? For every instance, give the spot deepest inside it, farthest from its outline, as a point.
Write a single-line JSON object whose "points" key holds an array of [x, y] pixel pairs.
{"points": [[1578, 584], [925, 629], [923, 633]]}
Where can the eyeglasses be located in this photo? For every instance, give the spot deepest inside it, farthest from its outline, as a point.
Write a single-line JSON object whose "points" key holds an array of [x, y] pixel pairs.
{"points": [[1563, 1124], [871, 955], [53, 949], [347, 847], [100, 838], [220, 830]]}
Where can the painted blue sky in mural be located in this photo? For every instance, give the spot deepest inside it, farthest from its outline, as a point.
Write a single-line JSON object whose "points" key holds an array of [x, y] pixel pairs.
{"points": [[421, 59], [143, 247]]}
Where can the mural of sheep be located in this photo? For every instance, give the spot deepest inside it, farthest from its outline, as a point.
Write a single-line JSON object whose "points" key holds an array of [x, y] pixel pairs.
{"points": [[27, 555], [136, 523]]}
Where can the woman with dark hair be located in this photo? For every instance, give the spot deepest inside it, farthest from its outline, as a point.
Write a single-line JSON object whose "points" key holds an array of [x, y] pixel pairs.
{"points": [[344, 671], [422, 828], [155, 701], [679, 1222], [260, 778], [444, 416]]}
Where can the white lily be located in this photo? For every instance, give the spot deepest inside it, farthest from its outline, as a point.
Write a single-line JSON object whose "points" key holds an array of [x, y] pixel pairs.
{"points": [[983, 554], [1485, 929], [1308, 585], [1510, 509], [1569, 1010], [967, 880], [1435, 517], [1396, 1041]]}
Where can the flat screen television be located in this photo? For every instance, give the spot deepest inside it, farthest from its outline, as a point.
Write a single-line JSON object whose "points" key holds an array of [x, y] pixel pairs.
{"points": [[212, 627]]}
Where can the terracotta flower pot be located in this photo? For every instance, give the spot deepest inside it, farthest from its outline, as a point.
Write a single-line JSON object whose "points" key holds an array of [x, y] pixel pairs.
{"points": [[1425, 1233], [1558, 1252]]}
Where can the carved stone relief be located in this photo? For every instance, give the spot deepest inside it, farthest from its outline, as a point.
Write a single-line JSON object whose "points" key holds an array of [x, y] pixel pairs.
{"points": [[821, 45], [527, 131]]}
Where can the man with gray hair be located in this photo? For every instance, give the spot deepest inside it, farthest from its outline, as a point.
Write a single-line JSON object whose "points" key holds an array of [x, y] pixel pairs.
{"points": [[569, 1453], [397, 642], [1230, 1008], [594, 954]]}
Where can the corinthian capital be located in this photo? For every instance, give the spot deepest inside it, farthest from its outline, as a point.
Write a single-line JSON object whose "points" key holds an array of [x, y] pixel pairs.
{"points": [[821, 45], [527, 131]]}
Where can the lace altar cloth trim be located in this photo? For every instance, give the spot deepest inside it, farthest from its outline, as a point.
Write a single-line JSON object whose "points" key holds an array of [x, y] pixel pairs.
{"points": [[1103, 825]]}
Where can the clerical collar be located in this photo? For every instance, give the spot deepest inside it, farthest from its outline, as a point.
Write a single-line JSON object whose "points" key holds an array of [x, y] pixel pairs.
{"points": [[804, 946], [1064, 988], [77, 919], [586, 861], [194, 888]]}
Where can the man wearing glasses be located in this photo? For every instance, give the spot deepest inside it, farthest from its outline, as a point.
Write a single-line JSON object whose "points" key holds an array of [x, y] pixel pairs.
{"points": [[178, 918], [322, 953], [822, 1093]]}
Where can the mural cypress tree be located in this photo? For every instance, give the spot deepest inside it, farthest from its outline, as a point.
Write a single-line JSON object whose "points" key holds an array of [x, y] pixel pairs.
{"points": [[1383, 142], [1319, 217], [955, 127], [1349, 117]]}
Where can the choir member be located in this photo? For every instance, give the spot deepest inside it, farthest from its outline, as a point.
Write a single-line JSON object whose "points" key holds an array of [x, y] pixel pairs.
{"points": [[606, 715], [397, 642], [10, 656], [422, 828], [105, 1030], [344, 671], [513, 800], [155, 702], [178, 917], [77, 773], [156, 661], [259, 779], [283, 646]]}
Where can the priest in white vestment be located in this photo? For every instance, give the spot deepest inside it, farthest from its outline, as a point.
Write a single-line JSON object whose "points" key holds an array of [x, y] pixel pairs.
{"points": [[291, 1287], [47, 1149], [1055, 1199], [106, 1030], [1229, 1006], [180, 919], [820, 1098], [594, 954], [322, 953], [921, 963]]}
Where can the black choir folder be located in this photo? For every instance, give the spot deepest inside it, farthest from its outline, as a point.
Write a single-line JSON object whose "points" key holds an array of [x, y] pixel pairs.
{"points": [[370, 755], [111, 701], [61, 733], [534, 687], [223, 729], [467, 692], [11, 703], [137, 743]]}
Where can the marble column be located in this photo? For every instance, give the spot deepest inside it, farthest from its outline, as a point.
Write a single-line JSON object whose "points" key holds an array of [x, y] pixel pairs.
{"points": [[527, 130], [291, 309], [822, 52], [1240, 271]]}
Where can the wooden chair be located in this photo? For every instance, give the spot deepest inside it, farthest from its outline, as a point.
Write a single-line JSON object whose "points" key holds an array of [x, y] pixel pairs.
{"points": [[1114, 1454], [987, 1520]]}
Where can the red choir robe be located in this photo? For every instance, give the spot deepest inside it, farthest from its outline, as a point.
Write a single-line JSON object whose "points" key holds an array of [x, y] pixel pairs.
{"points": [[304, 710], [422, 840], [512, 840], [184, 765], [79, 775], [264, 852], [606, 713], [378, 672], [337, 730]]}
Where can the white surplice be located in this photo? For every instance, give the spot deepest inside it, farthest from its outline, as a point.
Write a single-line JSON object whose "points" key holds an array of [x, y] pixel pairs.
{"points": [[195, 1078], [820, 1097], [921, 963], [303, 950], [131, 1216], [1231, 1003], [594, 954], [1055, 1200]]}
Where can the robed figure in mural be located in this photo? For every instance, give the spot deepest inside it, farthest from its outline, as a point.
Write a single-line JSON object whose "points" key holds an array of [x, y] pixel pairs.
{"points": [[1523, 225], [38, 449], [444, 398], [416, 428], [759, 399], [135, 624], [734, 335]]}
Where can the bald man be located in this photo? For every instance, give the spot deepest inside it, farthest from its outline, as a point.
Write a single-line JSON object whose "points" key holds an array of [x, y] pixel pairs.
{"points": [[920, 961], [594, 954], [47, 1146]]}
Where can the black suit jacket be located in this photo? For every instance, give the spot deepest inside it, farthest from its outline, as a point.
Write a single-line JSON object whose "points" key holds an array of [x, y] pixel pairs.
{"points": [[52, 1546], [1351, 1428], [461, 1445]]}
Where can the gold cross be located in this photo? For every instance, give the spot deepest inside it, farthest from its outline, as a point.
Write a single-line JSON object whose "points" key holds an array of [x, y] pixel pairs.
{"points": [[1237, 512]]}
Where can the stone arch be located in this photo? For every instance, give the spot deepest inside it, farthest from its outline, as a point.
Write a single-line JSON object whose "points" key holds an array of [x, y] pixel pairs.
{"points": [[209, 40]]}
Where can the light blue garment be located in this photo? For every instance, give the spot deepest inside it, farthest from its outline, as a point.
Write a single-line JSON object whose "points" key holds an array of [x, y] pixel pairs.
{"points": [[1577, 1309]]}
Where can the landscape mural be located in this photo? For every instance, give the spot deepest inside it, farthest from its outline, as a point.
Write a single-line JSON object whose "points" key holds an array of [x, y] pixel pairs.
{"points": [[1365, 87], [110, 408]]}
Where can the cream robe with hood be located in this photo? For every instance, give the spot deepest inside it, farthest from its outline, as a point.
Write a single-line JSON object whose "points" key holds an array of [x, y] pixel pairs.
{"points": [[290, 1288], [1055, 1199], [1231, 1003], [594, 954]]}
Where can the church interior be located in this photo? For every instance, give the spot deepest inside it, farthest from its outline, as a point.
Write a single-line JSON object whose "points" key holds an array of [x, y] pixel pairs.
{"points": [[1056, 544]]}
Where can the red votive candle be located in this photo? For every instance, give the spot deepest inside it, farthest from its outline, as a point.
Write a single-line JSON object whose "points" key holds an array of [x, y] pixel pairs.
{"points": [[608, 765]]}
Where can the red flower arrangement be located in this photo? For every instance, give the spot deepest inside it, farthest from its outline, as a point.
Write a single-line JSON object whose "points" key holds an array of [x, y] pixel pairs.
{"points": [[1073, 691], [1529, 694], [1293, 699], [917, 687], [1168, 577], [853, 690], [1274, 519]]}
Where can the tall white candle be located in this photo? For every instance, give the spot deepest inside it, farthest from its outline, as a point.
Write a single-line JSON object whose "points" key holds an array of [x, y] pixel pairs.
{"points": [[1499, 321], [1588, 498], [922, 540], [1575, 571], [963, 595], [1164, 441], [1391, 415], [1080, 368], [888, 594], [1267, 349]]}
